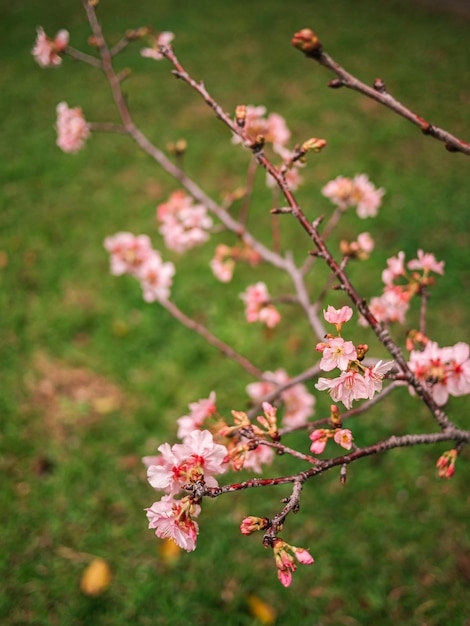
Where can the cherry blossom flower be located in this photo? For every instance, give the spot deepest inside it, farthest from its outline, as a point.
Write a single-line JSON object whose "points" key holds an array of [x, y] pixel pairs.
{"points": [[374, 376], [253, 459], [349, 386], [183, 224], [163, 39], [338, 316], [391, 306], [196, 459], [343, 437], [273, 128], [223, 264], [155, 277], [199, 412], [395, 268], [336, 353], [443, 371], [298, 402], [47, 52], [319, 438], [359, 249], [426, 262], [257, 306], [366, 197], [172, 519], [128, 252], [358, 192], [72, 129]]}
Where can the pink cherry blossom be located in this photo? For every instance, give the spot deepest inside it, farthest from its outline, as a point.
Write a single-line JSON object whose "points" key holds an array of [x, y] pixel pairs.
{"points": [[197, 458], [395, 268], [426, 262], [273, 128], [338, 316], [72, 129], [366, 197], [172, 519], [257, 305], [47, 52], [319, 438], [199, 412], [128, 252], [365, 242], [358, 192], [155, 277], [183, 224], [254, 459], [163, 39], [444, 371], [349, 386], [298, 402], [374, 376], [223, 264], [391, 306], [343, 437], [337, 353]]}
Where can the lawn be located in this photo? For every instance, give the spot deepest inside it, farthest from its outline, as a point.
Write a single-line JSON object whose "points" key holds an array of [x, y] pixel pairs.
{"points": [[93, 378]]}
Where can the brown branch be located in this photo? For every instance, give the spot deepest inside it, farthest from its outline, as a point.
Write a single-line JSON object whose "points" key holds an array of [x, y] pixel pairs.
{"points": [[306, 41], [212, 339]]}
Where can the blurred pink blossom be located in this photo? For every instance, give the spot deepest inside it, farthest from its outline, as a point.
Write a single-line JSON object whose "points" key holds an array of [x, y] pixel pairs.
{"points": [[183, 224], [72, 129], [47, 52], [257, 306], [199, 411]]}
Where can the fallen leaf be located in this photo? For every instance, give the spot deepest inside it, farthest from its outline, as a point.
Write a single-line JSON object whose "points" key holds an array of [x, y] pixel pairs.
{"points": [[261, 610], [96, 578]]}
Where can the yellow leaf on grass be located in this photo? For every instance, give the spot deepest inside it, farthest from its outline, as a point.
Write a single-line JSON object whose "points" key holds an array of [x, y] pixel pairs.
{"points": [[95, 578], [263, 611], [169, 551]]}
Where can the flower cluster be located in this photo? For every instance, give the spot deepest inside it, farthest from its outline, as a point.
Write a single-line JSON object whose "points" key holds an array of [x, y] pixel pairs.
{"points": [[359, 249], [72, 128], [195, 461], [242, 451], [298, 403], [394, 302], [226, 257], [444, 371], [134, 255], [358, 191], [284, 557], [183, 224], [47, 52], [356, 381], [258, 307], [319, 437]]}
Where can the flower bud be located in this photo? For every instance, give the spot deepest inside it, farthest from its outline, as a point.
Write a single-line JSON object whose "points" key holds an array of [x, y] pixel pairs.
{"points": [[446, 464], [306, 41], [313, 145], [251, 524]]}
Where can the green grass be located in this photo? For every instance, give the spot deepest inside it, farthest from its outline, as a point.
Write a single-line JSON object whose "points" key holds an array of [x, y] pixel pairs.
{"points": [[391, 547]]}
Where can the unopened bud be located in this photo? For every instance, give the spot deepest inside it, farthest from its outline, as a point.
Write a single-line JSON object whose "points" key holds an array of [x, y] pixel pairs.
{"points": [[306, 41], [361, 351], [240, 115], [251, 524], [313, 145]]}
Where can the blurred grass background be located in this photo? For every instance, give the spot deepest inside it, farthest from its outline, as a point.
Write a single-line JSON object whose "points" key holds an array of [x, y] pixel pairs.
{"points": [[93, 378]]}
